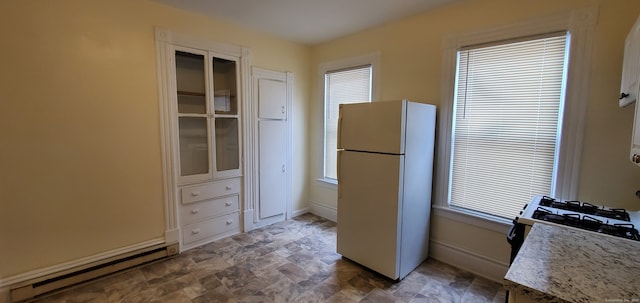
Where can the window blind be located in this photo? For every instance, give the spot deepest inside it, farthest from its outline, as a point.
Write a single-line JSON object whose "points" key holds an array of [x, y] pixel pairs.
{"points": [[352, 85], [507, 112]]}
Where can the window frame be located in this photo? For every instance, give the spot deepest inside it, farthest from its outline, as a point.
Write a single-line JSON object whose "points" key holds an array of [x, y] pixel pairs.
{"points": [[498, 51], [372, 59], [580, 24]]}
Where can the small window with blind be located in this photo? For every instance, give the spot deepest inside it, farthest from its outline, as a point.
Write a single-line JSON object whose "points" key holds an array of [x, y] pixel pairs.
{"points": [[508, 110], [350, 85]]}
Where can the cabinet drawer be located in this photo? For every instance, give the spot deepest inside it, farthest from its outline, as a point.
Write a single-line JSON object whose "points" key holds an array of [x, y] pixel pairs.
{"points": [[210, 228], [211, 208], [208, 191]]}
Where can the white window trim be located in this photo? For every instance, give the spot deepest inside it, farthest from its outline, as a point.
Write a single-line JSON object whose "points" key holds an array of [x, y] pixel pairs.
{"points": [[581, 25], [372, 59]]}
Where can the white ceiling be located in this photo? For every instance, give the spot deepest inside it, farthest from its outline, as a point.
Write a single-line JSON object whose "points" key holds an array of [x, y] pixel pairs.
{"points": [[307, 21]]}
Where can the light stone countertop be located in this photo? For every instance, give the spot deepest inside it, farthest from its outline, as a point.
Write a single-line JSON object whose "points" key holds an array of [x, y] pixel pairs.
{"points": [[560, 264]]}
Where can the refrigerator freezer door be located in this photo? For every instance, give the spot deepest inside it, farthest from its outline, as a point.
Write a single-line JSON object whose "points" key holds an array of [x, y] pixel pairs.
{"points": [[368, 210], [374, 127]]}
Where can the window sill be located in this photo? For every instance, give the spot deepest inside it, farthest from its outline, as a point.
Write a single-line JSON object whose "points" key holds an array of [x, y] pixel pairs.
{"points": [[328, 182], [484, 221]]}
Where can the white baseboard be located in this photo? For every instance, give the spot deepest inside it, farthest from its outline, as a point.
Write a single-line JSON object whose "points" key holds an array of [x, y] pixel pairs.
{"points": [[75, 264], [299, 212], [325, 211], [480, 265]]}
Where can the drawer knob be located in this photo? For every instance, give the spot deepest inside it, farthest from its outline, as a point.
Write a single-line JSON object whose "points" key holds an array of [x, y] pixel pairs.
{"points": [[195, 193], [229, 222], [195, 231], [195, 211], [227, 203], [228, 187]]}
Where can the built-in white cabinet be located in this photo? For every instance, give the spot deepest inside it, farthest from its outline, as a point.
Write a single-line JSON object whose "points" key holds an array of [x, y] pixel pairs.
{"points": [[630, 86], [201, 109], [207, 113], [272, 154], [209, 211], [273, 167], [272, 99], [630, 68]]}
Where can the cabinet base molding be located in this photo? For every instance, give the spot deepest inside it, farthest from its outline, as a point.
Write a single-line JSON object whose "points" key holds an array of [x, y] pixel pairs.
{"points": [[270, 220], [172, 235], [31, 284], [247, 219], [202, 242]]}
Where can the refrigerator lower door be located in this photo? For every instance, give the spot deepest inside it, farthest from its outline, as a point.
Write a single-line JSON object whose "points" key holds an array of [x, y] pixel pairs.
{"points": [[369, 193]]}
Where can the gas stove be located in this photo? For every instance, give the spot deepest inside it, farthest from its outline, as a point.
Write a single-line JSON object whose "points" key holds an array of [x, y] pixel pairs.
{"points": [[603, 220], [582, 215]]}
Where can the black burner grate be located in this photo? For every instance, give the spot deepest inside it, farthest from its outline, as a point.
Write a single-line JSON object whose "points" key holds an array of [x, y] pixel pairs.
{"points": [[588, 223]]}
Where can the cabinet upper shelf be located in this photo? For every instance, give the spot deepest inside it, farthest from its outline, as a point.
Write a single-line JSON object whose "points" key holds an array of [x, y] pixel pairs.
{"points": [[186, 93]]}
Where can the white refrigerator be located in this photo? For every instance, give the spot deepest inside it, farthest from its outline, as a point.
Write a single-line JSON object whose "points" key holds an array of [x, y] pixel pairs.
{"points": [[385, 169]]}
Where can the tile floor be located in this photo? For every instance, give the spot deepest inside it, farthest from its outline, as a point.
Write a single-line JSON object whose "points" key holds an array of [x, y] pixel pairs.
{"points": [[292, 261]]}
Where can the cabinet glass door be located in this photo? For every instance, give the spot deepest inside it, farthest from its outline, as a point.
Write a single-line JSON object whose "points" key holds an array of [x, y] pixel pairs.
{"points": [[226, 116], [225, 101], [193, 118], [227, 148], [194, 146]]}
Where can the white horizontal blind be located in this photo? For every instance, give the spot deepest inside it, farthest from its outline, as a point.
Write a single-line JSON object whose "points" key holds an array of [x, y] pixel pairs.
{"points": [[351, 85], [506, 123]]}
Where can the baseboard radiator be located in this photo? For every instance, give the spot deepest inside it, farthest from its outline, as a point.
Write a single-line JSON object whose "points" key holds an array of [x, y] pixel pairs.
{"points": [[41, 285]]}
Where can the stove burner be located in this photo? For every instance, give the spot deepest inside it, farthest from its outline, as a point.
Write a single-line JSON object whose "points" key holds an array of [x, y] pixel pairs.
{"points": [[586, 208], [621, 230], [565, 219], [614, 213], [587, 222], [591, 223], [546, 201]]}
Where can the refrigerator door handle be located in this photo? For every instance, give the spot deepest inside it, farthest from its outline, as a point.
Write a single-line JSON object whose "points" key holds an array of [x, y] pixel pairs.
{"points": [[339, 130], [338, 172]]}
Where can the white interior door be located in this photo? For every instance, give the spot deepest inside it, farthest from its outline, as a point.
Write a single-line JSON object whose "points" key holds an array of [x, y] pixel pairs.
{"points": [[270, 189], [368, 209], [272, 96], [272, 172]]}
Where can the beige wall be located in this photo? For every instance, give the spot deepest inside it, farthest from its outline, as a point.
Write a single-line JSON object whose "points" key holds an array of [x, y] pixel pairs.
{"points": [[411, 68], [80, 161]]}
